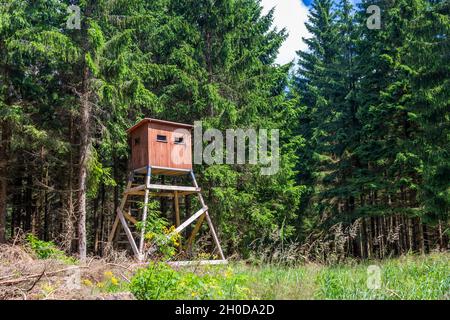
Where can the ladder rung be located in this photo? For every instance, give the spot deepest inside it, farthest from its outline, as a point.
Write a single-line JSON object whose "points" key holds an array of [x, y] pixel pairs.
{"points": [[173, 188], [163, 187]]}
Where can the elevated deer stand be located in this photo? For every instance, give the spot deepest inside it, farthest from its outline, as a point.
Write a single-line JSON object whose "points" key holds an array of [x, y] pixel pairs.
{"points": [[160, 148]]}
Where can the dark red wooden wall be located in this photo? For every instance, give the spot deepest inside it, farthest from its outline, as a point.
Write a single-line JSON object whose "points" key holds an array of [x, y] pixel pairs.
{"points": [[147, 150]]}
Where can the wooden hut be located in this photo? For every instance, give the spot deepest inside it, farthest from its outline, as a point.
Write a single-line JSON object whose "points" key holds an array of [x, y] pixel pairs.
{"points": [[161, 145]]}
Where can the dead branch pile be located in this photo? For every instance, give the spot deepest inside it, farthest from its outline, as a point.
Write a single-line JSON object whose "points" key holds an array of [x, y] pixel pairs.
{"points": [[23, 276]]}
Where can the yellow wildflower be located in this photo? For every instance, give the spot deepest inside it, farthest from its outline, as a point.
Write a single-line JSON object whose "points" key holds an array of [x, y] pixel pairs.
{"points": [[175, 241], [114, 281], [204, 255], [88, 282], [228, 273], [108, 274], [100, 285], [47, 288], [149, 236]]}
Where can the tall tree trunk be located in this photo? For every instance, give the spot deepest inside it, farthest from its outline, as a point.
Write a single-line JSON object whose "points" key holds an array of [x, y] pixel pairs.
{"points": [[426, 240], [46, 216], [369, 237], [4, 149], [16, 214], [100, 231], [28, 203], [419, 235], [85, 142], [399, 231], [98, 217], [95, 219], [363, 230], [410, 234], [67, 221], [440, 236], [381, 223], [41, 203]]}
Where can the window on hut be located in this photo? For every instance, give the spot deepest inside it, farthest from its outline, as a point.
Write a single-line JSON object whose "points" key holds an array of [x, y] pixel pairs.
{"points": [[161, 138], [178, 140]]}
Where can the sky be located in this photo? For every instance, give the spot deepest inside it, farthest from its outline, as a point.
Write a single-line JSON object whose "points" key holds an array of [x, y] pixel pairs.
{"points": [[292, 15]]}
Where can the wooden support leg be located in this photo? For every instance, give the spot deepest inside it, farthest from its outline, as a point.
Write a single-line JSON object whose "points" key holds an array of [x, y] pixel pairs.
{"points": [[176, 204], [177, 209], [144, 214], [214, 235], [129, 234], [208, 219], [114, 229], [122, 205], [195, 231]]}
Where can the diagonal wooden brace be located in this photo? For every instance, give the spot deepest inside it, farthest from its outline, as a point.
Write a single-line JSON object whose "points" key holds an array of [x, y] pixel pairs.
{"points": [[194, 217], [128, 233]]}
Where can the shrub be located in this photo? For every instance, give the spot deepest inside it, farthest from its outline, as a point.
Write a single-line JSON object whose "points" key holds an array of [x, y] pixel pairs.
{"points": [[47, 249], [159, 235], [160, 282]]}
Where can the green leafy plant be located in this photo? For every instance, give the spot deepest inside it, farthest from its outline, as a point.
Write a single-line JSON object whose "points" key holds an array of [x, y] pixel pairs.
{"points": [[159, 235], [47, 249], [160, 282], [110, 283]]}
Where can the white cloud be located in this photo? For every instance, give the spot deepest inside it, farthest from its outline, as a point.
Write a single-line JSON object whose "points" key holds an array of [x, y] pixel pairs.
{"points": [[292, 15]]}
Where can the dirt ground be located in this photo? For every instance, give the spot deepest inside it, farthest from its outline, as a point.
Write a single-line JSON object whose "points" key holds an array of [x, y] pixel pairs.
{"points": [[24, 277]]}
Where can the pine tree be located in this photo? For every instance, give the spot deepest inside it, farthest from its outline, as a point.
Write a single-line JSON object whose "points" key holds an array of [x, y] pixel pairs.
{"points": [[97, 78], [428, 59], [390, 166], [318, 84], [30, 45]]}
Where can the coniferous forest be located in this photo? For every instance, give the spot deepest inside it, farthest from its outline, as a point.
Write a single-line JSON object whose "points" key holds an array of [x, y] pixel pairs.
{"points": [[363, 114]]}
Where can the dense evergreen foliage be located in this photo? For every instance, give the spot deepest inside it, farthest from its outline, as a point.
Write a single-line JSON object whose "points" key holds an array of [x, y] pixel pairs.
{"points": [[366, 122], [364, 119]]}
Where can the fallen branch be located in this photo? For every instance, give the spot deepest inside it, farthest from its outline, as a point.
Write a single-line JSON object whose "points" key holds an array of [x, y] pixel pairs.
{"points": [[124, 277], [119, 265], [37, 280], [29, 277]]}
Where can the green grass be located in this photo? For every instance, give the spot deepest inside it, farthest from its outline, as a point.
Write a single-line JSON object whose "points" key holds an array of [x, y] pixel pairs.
{"points": [[409, 277], [278, 283]]}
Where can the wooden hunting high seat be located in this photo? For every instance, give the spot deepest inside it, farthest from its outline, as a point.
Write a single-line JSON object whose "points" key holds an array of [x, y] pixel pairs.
{"points": [[160, 148]]}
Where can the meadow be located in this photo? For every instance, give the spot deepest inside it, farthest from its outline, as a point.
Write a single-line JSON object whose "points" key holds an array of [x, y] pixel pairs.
{"points": [[409, 277]]}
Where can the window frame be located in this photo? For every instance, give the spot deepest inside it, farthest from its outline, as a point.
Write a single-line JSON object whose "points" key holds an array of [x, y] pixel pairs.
{"points": [[181, 142], [158, 136]]}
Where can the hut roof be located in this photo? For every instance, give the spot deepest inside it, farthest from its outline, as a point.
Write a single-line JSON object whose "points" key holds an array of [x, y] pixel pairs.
{"points": [[163, 122]]}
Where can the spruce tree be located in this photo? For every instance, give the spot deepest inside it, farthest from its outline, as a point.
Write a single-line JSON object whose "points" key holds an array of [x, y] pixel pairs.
{"points": [[317, 84], [428, 59]]}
